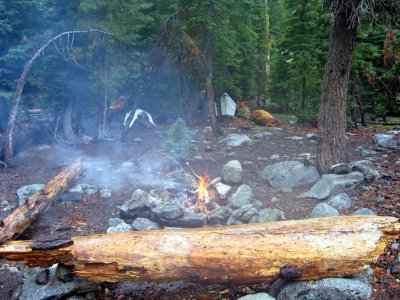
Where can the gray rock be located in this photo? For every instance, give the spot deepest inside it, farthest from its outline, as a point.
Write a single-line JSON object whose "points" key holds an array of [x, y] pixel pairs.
{"points": [[137, 140], [257, 204], [75, 193], [144, 224], [219, 215], [124, 227], [139, 202], [11, 282], [242, 196], [233, 221], [88, 189], [232, 172], [244, 213], [366, 167], [115, 221], [270, 215], [340, 169], [289, 174], [275, 156], [56, 290], [332, 184], [323, 210], [235, 140], [28, 191], [188, 220], [86, 140], [385, 141], [366, 152], [105, 193], [127, 165], [167, 210], [364, 212], [258, 296], [222, 189], [340, 201], [311, 136], [43, 277], [326, 289], [64, 273]]}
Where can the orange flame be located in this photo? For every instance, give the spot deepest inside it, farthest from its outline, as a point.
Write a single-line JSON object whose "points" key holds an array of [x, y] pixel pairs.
{"points": [[202, 194]]}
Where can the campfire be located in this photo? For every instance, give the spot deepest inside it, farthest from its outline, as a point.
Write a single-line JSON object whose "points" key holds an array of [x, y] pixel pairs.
{"points": [[202, 200]]}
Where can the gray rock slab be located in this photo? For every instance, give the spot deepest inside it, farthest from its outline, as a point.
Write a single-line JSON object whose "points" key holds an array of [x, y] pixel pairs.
{"points": [[28, 191], [386, 141], [364, 212], [326, 289], [235, 140], [115, 221], [223, 189], [340, 201], [323, 210], [270, 215], [74, 193], [188, 220], [144, 224], [242, 196], [167, 210], [56, 290], [258, 296], [123, 227], [232, 172], [366, 167], [332, 184], [289, 174]]}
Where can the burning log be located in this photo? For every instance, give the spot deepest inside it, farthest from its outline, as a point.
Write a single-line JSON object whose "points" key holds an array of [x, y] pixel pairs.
{"points": [[294, 250], [21, 218]]}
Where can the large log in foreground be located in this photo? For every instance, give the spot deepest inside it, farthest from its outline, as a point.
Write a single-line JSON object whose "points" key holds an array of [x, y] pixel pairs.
{"points": [[22, 217], [251, 253]]}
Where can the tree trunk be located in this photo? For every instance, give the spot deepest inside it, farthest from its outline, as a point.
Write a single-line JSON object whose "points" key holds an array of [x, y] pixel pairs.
{"points": [[69, 133], [20, 86], [102, 113], [21, 218], [332, 116], [252, 253]]}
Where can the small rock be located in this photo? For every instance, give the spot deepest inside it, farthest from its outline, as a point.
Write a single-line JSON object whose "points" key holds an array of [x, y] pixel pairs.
{"points": [[105, 193], [295, 138], [188, 220], [137, 140], [364, 211], [127, 165], [42, 277], [209, 148], [395, 246], [144, 224], [232, 172], [168, 210], [258, 296], [65, 273], [222, 189], [86, 140], [123, 227], [219, 215], [115, 221], [271, 214], [75, 193], [323, 210], [275, 156], [340, 201], [235, 140], [312, 136]]}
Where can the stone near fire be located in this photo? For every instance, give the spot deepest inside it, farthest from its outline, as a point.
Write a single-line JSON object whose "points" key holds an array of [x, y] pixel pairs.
{"points": [[219, 215], [332, 184], [364, 212], [232, 172], [242, 196], [75, 193], [144, 224], [188, 220], [235, 140], [168, 210], [123, 227], [137, 205], [28, 191], [222, 189], [289, 174]]}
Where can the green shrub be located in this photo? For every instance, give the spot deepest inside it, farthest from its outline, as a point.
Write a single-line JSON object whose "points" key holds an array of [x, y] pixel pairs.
{"points": [[244, 113], [178, 140]]}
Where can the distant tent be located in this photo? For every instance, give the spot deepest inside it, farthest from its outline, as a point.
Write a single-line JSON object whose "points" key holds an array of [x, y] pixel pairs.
{"points": [[228, 106]]}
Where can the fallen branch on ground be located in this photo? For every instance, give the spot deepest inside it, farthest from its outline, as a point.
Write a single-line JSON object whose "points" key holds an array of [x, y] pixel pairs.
{"points": [[22, 217], [252, 253]]}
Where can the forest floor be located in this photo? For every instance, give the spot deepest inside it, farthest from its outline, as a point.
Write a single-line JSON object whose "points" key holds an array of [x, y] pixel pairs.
{"points": [[91, 214]]}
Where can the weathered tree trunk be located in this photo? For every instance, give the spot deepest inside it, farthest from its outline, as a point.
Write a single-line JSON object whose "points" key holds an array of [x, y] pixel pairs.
{"points": [[210, 87], [69, 133], [22, 217], [332, 115], [102, 107], [293, 250], [20, 86]]}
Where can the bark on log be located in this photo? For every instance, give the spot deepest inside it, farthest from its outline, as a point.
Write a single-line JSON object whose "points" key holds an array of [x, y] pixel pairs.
{"points": [[252, 253], [22, 217]]}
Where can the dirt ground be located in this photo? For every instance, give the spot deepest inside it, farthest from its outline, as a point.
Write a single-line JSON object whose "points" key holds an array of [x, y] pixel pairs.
{"points": [[89, 216]]}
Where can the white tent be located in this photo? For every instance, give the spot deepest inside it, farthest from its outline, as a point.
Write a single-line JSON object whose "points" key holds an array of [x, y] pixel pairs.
{"points": [[228, 106]]}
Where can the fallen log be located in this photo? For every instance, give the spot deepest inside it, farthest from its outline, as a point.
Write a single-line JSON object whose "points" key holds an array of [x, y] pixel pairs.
{"points": [[22, 217], [252, 253]]}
